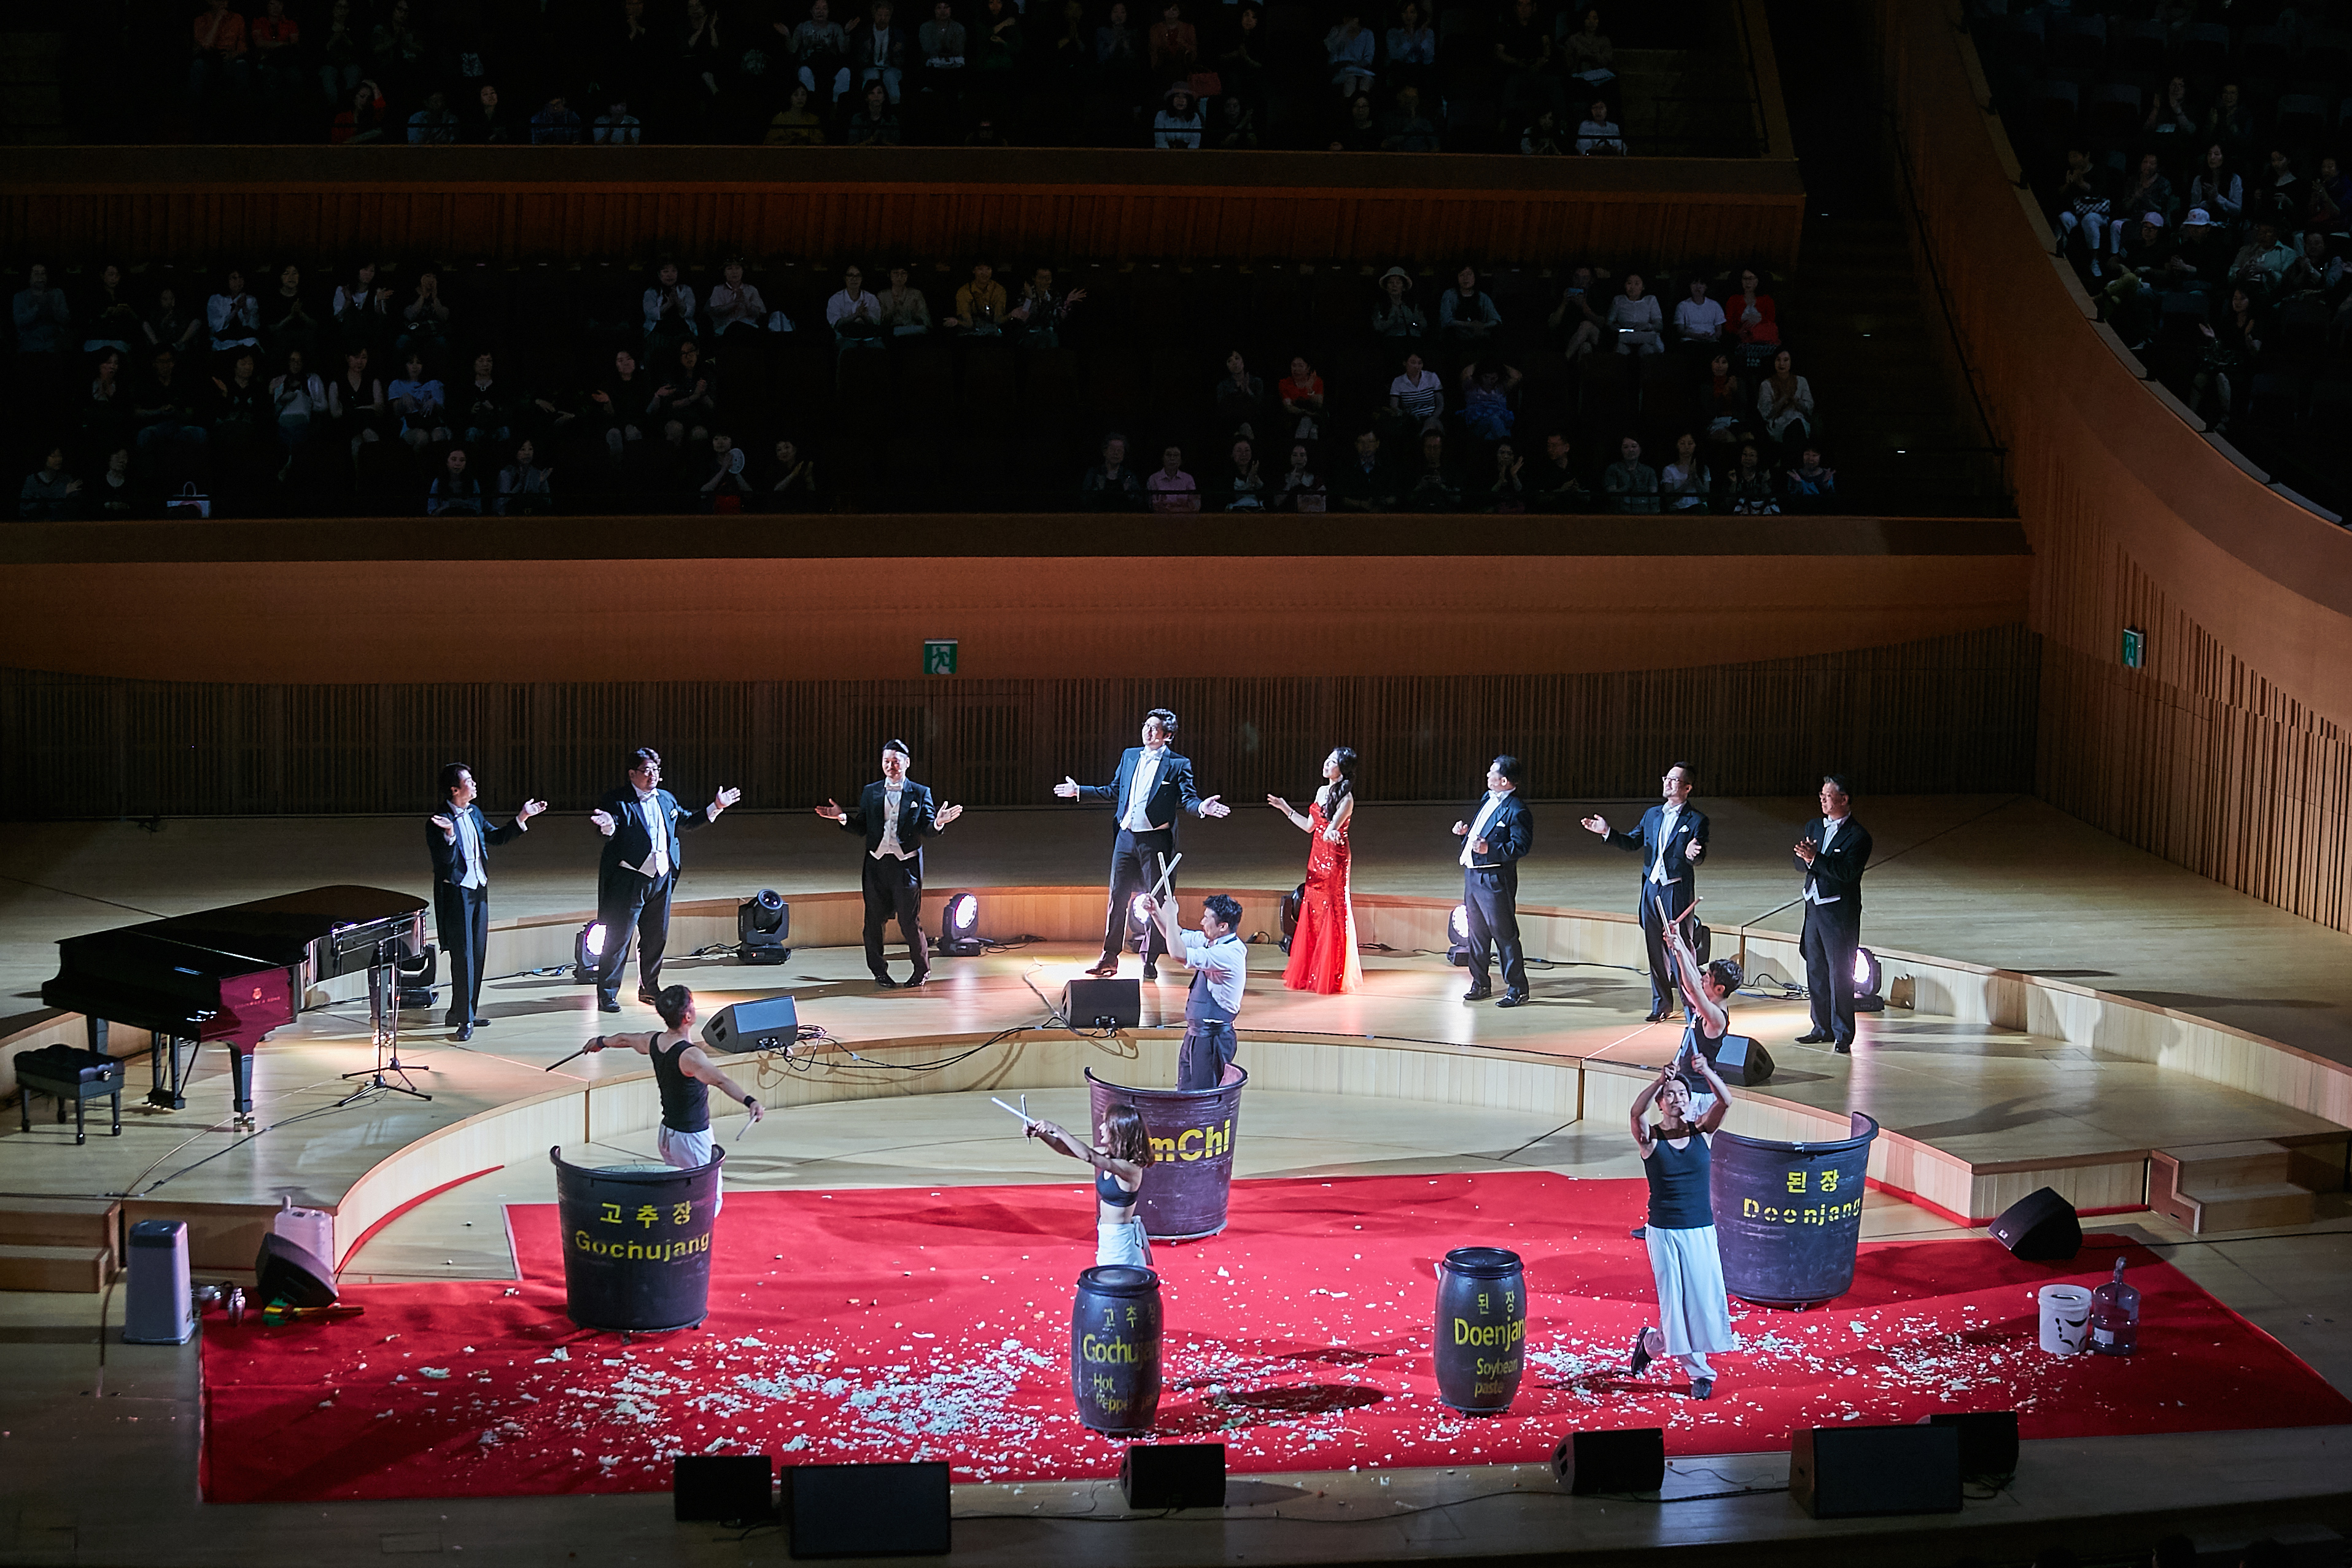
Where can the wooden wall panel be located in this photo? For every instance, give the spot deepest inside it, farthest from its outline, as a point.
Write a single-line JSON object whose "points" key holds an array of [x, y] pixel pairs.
{"points": [[1950, 713], [513, 205], [2227, 753]]}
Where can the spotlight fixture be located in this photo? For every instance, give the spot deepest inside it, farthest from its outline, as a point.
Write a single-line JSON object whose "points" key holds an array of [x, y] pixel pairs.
{"points": [[586, 949], [762, 923], [1291, 903], [959, 926], [1866, 998], [1138, 922], [1457, 950]]}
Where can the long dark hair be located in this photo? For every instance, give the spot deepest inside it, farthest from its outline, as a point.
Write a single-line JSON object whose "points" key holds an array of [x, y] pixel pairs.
{"points": [[1345, 785], [1128, 1140]]}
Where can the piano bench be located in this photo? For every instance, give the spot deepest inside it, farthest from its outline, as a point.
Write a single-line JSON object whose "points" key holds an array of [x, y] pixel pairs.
{"points": [[70, 1073]]}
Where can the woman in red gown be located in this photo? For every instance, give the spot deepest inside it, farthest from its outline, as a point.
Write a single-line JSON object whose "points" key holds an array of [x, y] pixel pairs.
{"points": [[1323, 948]]}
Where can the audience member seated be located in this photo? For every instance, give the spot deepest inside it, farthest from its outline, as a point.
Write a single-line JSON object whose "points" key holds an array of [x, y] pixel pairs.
{"points": [[1784, 401], [420, 403], [1506, 491], [1635, 319], [1110, 485], [526, 490], [876, 123], [49, 494], [1348, 50], [1751, 489], [737, 312], [1302, 487], [1698, 320], [1172, 490], [1463, 313], [1244, 488], [792, 480], [979, 305], [1811, 487], [1576, 327], [1396, 316], [453, 489], [1301, 392], [723, 487], [1360, 481], [1544, 139], [1555, 485], [1487, 388], [1432, 486], [1598, 135], [904, 310], [1239, 399], [1417, 397], [1178, 124], [1630, 484], [1404, 128]]}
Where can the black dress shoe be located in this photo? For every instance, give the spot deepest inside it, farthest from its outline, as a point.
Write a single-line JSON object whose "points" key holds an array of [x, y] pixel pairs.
{"points": [[913, 980], [1477, 994], [1639, 1232], [1512, 999], [649, 999], [1150, 970], [1641, 1352], [1107, 968], [885, 981], [608, 1004], [1845, 1050], [1655, 1019], [465, 1032], [481, 1021], [1815, 1038]]}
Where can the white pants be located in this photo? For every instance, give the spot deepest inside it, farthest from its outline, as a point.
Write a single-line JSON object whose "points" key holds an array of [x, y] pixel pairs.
{"points": [[686, 1152], [1694, 1309], [1121, 1241]]}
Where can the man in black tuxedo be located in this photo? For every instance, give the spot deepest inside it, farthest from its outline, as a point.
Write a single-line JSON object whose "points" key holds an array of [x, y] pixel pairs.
{"points": [[1497, 834], [458, 837], [637, 872], [895, 814], [1672, 837], [1833, 853], [1153, 785]]}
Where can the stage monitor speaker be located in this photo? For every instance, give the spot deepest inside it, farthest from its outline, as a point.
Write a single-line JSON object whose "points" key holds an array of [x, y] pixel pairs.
{"points": [[1631, 1460], [724, 1489], [867, 1510], [1988, 1440], [2040, 1228], [1852, 1472], [1742, 1061], [1103, 1004], [1174, 1475], [765, 1024], [288, 1271]]}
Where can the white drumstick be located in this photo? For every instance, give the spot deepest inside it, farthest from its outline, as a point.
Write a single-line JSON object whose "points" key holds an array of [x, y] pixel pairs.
{"points": [[1022, 1113], [1167, 869]]}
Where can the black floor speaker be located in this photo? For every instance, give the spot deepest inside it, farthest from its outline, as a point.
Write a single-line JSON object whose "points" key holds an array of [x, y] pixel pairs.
{"points": [[1988, 1440], [765, 1023], [867, 1510], [1633, 1460], [1092, 1004], [724, 1489], [286, 1272], [1742, 1061], [1174, 1475], [2041, 1227], [1850, 1472]]}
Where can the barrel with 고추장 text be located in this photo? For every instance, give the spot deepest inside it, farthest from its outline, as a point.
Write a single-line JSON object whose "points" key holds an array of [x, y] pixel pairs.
{"points": [[637, 1242], [1189, 1180], [1115, 1348], [1482, 1328], [1788, 1217]]}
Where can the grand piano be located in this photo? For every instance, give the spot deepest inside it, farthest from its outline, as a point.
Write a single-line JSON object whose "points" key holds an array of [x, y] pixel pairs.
{"points": [[231, 975]]}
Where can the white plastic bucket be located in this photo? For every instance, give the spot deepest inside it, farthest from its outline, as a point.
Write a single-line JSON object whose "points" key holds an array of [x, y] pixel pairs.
{"points": [[2065, 1319]]}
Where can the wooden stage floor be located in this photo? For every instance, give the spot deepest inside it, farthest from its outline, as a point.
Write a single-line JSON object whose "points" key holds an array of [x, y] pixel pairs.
{"points": [[2004, 882]]}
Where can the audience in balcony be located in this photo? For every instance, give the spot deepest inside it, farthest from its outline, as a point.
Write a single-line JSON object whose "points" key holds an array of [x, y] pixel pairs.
{"points": [[1635, 319]]}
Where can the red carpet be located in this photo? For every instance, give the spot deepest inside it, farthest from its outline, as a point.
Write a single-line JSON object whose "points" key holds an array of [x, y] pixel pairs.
{"points": [[907, 1323]]}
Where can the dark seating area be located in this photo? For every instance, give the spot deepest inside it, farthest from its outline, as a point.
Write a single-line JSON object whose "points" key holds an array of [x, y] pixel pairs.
{"points": [[604, 388], [1542, 77], [2190, 160]]}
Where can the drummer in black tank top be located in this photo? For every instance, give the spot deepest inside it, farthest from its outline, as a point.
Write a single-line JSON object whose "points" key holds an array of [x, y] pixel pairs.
{"points": [[685, 1076]]}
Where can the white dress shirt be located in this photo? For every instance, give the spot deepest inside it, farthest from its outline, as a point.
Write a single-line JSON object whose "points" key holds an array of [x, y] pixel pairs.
{"points": [[657, 863], [1829, 831], [1139, 792], [1478, 828], [1225, 963], [1668, 816], [889, 845], [470, 853]]}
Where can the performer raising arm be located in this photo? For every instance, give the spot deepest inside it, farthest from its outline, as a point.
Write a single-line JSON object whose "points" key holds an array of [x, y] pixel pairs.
{"points": [[1323, 948], [637, 872], [685, 1078], [1153, 784], [895, 814], [1694, 1310], [1118, 1165]]}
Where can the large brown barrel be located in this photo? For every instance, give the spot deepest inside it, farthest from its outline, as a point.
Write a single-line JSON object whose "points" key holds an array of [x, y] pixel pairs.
{"points": [[1190, 1176], [1482, 1328], [637, 1242], [1115, 1348]]}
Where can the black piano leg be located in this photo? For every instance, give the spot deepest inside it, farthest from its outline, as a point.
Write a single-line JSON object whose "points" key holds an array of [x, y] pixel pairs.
{"points": [[168, 1096], [241, 1074], [81, 1132], [117, 1113], [25, 1106]]}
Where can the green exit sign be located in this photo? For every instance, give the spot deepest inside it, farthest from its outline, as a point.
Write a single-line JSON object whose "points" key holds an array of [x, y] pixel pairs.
{"points": [[939, 655], [2135, 647]]}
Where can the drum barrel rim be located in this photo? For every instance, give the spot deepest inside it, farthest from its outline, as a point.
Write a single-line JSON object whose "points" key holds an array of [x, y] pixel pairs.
{"points": [[1517, 1265], [1173, 1094], [1787, 1146], [565, 1168]]}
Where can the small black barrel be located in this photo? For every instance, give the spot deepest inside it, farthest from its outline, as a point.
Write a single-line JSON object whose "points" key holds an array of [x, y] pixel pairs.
{"points": [[1482, 1328], [1115, 1349], [637, 1242]]}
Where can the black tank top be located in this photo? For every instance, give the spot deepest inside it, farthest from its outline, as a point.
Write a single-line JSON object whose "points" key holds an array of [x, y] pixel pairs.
{"points": [[1697, 1043], [1107, 1188], [1679, 1199], [686, 1100]]}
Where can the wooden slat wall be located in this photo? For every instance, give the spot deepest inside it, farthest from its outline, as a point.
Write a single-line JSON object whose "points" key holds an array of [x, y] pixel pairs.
{"points": [[2227, 753], [91, 205], [1953, 714]]}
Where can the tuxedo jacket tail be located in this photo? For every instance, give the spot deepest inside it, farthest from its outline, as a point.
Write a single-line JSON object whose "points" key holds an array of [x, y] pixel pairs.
{"points": [[1172, 791], [915, 818]]}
